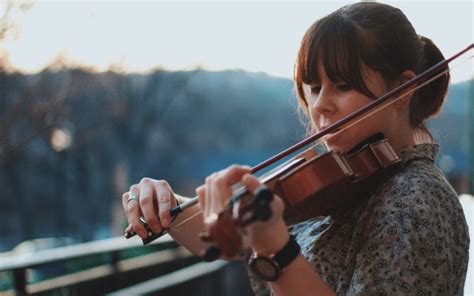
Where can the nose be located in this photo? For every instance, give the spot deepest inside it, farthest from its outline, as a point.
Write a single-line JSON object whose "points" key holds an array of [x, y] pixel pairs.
{"points": [[322, 103]]}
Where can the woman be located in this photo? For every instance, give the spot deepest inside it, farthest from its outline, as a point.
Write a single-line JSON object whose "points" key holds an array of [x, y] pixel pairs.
{"points": [[406, 232]]}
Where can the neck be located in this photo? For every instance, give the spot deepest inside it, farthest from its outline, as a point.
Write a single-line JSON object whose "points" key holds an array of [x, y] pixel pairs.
{"points": [[410, 137], [422, 136]]}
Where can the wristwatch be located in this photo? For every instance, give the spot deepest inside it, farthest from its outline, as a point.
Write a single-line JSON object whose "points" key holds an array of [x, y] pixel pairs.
{"points": [[269, 268]]}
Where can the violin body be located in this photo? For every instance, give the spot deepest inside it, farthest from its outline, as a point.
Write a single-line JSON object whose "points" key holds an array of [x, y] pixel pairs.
{"points": [[315, 180], [308, 180]]}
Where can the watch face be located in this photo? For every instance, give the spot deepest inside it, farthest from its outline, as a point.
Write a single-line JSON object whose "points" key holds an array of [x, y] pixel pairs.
{"points": [[265, 268]]}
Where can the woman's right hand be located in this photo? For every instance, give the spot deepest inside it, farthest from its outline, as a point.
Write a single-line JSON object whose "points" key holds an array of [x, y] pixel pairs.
{"points": [[154, 200]]}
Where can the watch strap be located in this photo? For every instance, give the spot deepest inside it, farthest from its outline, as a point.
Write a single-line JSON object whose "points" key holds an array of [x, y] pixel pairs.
{"points": [[288, 253]]}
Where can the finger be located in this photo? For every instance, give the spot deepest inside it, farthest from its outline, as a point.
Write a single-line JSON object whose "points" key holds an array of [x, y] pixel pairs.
{"points": [[201, 193], [124, 203], [232, 174], [164, 196], [133, 214], [147, 204], [208, 197], [220, 185], [250, 182], [201, 190], [263, 197], [218, 192]]}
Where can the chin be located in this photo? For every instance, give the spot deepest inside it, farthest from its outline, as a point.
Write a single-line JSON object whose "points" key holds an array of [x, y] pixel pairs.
{"points": [[335, 144]]}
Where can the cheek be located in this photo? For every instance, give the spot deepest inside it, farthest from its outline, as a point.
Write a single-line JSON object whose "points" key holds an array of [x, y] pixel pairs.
{"points": [[355, 103], [315, 118], [311, 114], [376, 123], [385, 118]]}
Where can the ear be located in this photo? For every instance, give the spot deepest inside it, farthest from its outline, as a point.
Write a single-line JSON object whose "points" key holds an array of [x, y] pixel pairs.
{"points": [[403, 78]]}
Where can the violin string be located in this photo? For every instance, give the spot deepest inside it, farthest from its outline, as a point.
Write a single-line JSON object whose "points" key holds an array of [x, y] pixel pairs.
{"points": [[175, 227], [320, 141], [389, 103], [454, 65]]}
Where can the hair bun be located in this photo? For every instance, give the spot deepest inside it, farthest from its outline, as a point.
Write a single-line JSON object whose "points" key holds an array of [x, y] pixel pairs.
{"points": [[431, 53], [430, 97]]}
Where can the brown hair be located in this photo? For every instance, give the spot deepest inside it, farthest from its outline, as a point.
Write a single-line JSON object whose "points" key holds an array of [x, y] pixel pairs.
{"points": [[375, 35]]}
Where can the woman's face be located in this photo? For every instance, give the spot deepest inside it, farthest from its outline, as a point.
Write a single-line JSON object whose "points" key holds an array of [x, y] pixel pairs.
{"points": [[330, 101]]}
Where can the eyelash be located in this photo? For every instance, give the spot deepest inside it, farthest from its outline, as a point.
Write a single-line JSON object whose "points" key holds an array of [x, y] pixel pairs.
{"points": [[341, 87], [344, 87]]}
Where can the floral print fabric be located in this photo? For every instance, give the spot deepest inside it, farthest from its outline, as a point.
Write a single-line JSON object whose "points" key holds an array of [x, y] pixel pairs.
{"points": [[407, 237]]}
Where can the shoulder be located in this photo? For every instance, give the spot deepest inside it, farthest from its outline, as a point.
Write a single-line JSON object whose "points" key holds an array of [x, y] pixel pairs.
{"points": [[415, 222], [417, 196], [419, 185]]}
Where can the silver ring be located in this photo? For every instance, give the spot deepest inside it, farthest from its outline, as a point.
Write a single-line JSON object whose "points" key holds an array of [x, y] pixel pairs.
{"points": [[132, 197]]}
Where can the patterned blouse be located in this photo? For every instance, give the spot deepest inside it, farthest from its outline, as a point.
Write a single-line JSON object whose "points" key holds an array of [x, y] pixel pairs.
{"points": [[407, 236]]}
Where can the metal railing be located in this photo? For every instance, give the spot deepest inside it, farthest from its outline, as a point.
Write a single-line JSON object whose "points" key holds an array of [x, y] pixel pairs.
{"points": [[125, 267]]}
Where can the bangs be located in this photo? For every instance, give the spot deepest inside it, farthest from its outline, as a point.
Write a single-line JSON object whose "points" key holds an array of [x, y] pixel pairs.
{"points": [[336, 43]]}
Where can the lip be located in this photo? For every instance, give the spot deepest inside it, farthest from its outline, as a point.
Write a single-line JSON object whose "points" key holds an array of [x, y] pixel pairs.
{"points": [[325, 127], [328, 136], [326, 124]]}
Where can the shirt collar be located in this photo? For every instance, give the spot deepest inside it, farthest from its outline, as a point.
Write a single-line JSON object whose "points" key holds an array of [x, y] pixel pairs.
{"points": [[426, 151]]}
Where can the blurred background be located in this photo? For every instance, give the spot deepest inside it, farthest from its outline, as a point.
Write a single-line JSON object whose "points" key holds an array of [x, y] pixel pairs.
{"points": [[95, 95]]}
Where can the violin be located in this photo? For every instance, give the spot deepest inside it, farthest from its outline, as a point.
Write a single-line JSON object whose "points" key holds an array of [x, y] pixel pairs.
{"points": [[306, 177]]}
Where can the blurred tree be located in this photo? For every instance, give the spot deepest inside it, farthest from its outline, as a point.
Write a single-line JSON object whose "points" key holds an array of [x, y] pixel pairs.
{"points": [[13, 105], [7, 25], [72, 140]]}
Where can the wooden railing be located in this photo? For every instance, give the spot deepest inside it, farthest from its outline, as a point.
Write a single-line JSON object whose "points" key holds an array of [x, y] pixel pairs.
{"points": [[121, 267]]}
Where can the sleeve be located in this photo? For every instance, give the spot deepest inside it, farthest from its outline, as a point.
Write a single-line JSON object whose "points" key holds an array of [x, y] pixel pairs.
{"points": [[415, 242]]}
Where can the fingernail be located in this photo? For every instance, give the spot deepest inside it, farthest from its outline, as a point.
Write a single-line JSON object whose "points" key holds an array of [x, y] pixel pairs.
{"points": [[165, 222], [156, 229], [199, 189], [245, 177]]}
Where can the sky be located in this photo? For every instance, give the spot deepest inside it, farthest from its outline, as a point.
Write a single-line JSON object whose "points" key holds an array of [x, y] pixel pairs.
{"points": [[263, 36]]}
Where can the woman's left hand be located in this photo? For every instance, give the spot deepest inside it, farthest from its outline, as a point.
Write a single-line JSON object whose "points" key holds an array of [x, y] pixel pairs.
{"points": [[266, 236]]}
